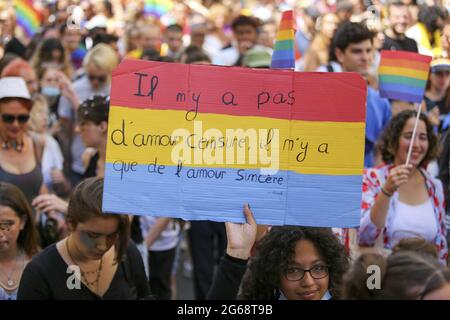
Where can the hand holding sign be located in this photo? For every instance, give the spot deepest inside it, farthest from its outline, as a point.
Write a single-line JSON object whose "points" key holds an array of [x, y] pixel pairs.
{"points": [[241, 237]]}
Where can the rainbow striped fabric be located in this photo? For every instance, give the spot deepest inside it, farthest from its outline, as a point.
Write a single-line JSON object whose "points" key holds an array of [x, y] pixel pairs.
{"points": [[403, 75], [28, 18], [157, 8], [283, 52], [172, 149]]}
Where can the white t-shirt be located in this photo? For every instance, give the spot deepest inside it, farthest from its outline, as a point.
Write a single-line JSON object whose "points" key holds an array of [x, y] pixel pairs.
{"points": [[414, 221], [52, 158], [168, 239]]}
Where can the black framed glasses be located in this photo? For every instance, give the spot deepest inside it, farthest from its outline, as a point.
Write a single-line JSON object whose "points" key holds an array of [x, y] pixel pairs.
{"points": [[100, 79], [10, 118], [295, 273]]}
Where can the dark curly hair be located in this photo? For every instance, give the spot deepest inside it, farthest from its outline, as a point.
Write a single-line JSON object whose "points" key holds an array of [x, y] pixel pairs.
{"points": [[95, 109], [276, 251], [389, 140], [351, 32]]}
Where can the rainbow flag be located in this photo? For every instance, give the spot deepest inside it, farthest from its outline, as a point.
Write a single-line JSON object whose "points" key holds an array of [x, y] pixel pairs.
{"points": [[403, 75], [28, 18], [284, 52], [157, 8]]}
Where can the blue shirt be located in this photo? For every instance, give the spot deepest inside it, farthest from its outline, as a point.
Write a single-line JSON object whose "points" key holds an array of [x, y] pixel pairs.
{"points": [[378, 114]]}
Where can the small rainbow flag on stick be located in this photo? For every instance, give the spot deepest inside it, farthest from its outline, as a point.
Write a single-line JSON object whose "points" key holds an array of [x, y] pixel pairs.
{"points": [[28, 18], [283, 52], [403, 75], [157, 8]]}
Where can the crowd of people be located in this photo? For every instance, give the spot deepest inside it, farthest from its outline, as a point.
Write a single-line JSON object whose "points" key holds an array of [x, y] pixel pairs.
{"points": [[54, 105]]}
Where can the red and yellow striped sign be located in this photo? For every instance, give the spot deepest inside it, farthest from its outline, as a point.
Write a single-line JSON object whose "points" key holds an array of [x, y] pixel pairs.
{"points": [[184, 139]]}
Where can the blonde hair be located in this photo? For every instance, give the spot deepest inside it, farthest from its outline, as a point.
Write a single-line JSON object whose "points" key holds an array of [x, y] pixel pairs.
{"points": [[37, 58], [40, 106], [103, 57]]}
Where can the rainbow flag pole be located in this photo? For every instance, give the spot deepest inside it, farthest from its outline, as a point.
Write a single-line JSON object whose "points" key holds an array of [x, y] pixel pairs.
{"points": [[414, 133], [403, 76], [283, 52]]}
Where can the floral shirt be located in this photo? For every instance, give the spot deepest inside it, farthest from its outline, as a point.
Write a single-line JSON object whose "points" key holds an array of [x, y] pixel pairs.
{"points": [[368, 232]]}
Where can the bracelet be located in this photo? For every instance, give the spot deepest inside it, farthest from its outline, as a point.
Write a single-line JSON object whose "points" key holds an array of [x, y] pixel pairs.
{"points": [[386, 193]]}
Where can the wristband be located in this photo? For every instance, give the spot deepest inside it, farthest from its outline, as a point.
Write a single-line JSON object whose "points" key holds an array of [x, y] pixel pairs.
{"points": [[386, 193]]}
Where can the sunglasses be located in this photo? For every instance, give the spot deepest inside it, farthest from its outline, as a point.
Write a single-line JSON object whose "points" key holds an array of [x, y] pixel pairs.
{"points": [[101, 79], [442, 73], [10, 118]]}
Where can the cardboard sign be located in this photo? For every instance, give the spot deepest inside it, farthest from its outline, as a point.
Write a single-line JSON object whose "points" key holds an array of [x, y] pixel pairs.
{"points": [[198, 142]]}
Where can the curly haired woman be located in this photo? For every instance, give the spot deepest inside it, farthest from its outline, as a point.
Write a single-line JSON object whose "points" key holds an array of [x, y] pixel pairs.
{"points": [[400, 201], [290, 263]]}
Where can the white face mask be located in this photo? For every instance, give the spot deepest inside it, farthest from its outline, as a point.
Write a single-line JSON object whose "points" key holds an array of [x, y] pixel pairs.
{"points": [[50, 91]]}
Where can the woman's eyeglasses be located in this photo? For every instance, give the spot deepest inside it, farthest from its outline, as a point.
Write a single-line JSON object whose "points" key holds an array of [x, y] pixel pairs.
{"points": [[10, 118], [296, 274]]}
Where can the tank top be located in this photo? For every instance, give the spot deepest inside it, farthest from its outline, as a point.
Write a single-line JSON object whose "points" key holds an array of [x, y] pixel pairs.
{"points": [[414, 221], [29, 183], [91, 170]]}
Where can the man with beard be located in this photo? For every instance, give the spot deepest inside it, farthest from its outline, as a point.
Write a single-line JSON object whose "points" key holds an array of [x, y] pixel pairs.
{"points": [[399, 19]]}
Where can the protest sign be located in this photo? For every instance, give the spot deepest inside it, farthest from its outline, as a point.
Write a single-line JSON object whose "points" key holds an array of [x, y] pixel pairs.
{"points": [[198, 142]]}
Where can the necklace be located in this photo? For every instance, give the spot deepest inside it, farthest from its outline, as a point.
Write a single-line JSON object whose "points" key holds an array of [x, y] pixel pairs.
{"points": [[97, 272], [16, 145], [10, 283]]}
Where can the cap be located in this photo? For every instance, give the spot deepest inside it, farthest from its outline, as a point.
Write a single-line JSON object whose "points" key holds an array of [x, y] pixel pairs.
{"points": [[440, 64], [14, 87]]}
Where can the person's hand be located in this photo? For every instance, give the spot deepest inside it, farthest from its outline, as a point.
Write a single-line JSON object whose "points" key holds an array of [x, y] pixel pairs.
{"points": [[261, 231], [66, 87], [62, 226], [241, 236], [67, 90], [397, 176], [49, 203], [433, 116]]}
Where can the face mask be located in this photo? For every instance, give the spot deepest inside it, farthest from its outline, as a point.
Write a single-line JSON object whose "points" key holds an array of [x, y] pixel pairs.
{"points": [[50, 91]]}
